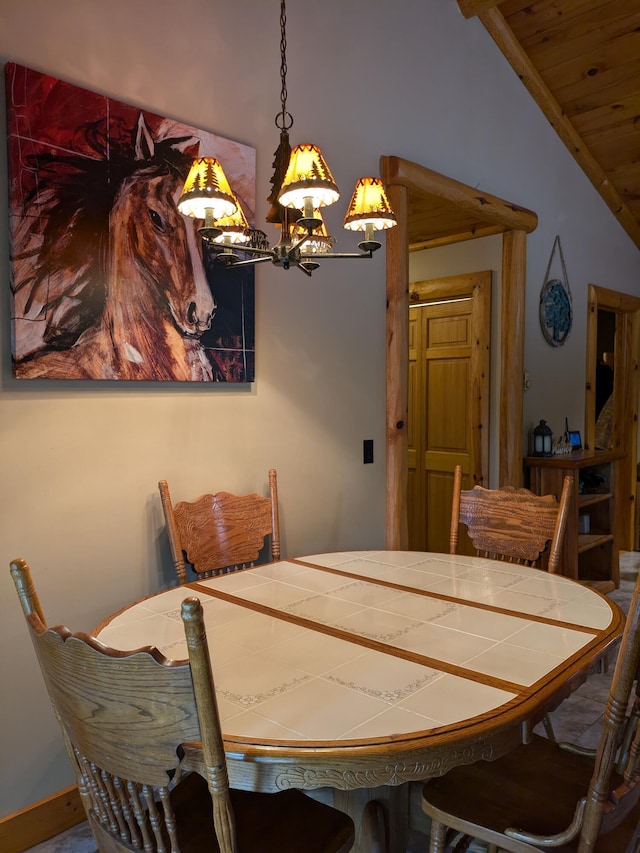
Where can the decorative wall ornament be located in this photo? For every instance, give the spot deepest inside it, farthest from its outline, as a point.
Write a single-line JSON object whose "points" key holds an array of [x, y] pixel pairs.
{"points": [[556, 313], [108, 279]]}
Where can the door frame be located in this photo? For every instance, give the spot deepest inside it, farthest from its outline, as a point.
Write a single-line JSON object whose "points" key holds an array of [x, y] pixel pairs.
{"points": [[411, 189], [625, 397]]}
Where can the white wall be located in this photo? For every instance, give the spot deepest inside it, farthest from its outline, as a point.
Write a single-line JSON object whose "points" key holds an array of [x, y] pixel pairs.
{"points": [[79, 462]]}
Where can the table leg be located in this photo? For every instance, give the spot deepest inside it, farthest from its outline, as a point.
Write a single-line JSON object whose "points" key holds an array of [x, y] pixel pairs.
{"points": [[380, 815], [374, 828]]}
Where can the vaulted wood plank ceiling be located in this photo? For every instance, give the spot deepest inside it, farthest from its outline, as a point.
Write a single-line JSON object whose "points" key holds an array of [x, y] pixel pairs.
{"points": [[580, 61]]}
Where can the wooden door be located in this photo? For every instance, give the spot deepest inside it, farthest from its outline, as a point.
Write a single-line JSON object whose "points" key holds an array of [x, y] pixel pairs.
{"points": [[448, 396]]}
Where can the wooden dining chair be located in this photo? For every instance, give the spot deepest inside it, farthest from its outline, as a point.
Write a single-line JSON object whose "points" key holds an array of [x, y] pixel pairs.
{"points": [[511, 524], [135, 724], [554, 796], [221, 532]]}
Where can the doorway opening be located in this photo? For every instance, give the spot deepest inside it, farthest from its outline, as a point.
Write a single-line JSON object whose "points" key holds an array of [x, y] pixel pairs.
{"points": [[611, 397], [434, 210]]}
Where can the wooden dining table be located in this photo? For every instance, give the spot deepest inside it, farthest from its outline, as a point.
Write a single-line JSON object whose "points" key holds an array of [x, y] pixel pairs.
{"points": [[351, 675]]}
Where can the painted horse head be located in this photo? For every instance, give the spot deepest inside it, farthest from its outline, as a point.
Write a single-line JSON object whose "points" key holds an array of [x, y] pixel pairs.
{"points": [[112, 242], [155, 248]]}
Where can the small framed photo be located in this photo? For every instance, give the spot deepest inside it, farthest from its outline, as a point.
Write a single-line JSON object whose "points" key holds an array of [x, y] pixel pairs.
{"points": [[575, 440]]}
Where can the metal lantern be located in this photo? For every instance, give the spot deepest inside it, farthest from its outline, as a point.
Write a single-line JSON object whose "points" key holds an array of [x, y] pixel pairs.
{"points": [[542, 440]]}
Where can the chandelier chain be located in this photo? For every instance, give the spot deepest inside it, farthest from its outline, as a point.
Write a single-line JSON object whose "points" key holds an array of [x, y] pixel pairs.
{"points": [[284, 119]]}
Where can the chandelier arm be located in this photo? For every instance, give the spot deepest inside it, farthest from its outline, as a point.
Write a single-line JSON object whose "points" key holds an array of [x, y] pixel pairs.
{"points": [[248, 262], [267, 254], [300, 242], [329, 256], [315, 259]]}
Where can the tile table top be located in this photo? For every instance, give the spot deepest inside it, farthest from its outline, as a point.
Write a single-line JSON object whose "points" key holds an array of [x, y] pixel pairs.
{"points": [[375, 645]]}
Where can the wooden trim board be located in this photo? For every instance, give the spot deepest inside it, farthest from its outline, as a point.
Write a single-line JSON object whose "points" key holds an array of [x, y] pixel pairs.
{"points": [[40, 821]]}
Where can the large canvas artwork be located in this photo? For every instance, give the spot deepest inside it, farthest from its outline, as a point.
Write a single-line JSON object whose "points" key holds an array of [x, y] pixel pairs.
{"points": [[108, 279]]}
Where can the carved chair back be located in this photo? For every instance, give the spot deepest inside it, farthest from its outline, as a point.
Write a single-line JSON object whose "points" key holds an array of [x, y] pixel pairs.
{"points": [[511, 524], [135, 724], [554, 796], [124, 718], [221, 532]]}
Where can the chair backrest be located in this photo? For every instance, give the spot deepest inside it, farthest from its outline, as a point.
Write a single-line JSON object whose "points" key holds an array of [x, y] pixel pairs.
{"points": [[221, 532], [610, 799], [125, 717], [606, 820], [511, 524]]}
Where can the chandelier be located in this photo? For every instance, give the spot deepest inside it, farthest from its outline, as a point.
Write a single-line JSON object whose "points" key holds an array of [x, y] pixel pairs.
{"points": [[302, 185]]}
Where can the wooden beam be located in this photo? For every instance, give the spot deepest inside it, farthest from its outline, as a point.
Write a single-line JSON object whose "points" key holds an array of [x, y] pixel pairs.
{"points": [[489, 231], [471, 8], [514, 255], [491, 209], [501, 33], [397, 532]]}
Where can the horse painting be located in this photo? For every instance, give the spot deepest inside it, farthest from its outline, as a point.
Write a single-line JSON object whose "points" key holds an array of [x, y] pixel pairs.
{"points": [[130, 301], [148, 279]]}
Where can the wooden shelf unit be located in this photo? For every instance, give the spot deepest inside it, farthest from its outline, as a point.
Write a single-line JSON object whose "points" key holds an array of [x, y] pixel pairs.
{"points": [[590, 557]]}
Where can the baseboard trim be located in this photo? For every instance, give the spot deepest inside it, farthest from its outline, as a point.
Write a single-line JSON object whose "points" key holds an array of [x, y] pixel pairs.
{"points": [[36, 823]]}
